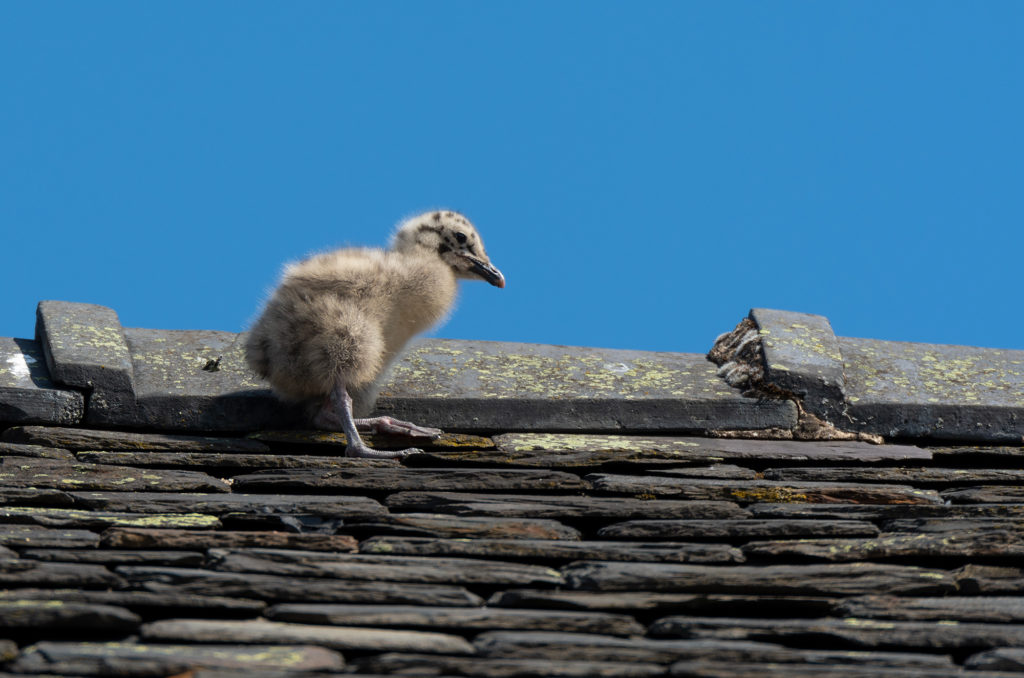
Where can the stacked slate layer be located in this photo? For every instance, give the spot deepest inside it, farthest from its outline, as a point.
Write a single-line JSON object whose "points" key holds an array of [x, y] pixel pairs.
{"points": [[152, 525]]}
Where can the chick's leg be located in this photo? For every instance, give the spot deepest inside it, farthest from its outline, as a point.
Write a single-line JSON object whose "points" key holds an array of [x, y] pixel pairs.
{"points": [[337, 409]]}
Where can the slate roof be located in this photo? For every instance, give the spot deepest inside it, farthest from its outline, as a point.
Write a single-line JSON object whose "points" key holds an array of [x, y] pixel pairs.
{"points": [[588, 512]]}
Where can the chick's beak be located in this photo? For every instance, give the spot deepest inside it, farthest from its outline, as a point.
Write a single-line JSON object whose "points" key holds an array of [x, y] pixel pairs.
{"points": [[487, 271]]}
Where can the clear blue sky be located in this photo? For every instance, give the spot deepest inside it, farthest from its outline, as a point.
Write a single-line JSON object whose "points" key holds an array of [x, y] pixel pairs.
{"points": [[642, 172]]}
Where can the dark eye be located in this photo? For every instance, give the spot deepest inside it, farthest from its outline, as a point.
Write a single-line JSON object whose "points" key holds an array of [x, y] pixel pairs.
{"points": [[461, 237]]}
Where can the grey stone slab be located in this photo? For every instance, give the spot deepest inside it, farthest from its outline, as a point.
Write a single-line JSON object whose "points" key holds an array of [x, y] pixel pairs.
{"points": [[112, 557], [218, 504], [845, 579], [229, 463], [999, 659], [331, 442], [33, 497], [991, 609], [737, 529], [27, 395], [559, 507], [34, 452], [85, 348], [954, 525], [290, 588], [457, 619], [986, 494], [974, 544], [47, 656], [536, 550], [885, 512], [859, 633], [489, 386], [396, 479], [334, 637], [715, 471], [761, 490], [21, 572], [398, 663], [646, 602], [150, 538], [146, 603], [42, 537], [59, 474], [462, 571], [99, 520], [91, 439], [990, 580], [917, 476], [803, 356], [934, 391], [726, 669], [465, 527], [45, 617]]}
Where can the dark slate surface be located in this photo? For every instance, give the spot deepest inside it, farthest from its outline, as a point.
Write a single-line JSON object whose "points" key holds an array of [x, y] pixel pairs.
{"points": [[27, 395]]}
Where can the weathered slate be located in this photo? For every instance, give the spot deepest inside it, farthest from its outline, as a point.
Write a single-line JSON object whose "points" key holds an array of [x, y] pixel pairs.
{"points": [[397, 479], [34, 497], [331, 439], [117, 557], [800, 580], [382, 568], [334, 637], [27, 395], [41, 617], [121, 658], [557, 450], [986, 494], [974, 544], [737, 529], [99, 520], [562, 507], [999, 659], [295, 589], [56, 474], [217, 504], [992, 609], [948, 525], [229, 461], [898, 389], [917, 476], [862, 633], [31, 535], [21, 572], [8, 650], [990, 580], [489, 386], [884, 512], [143, 538], [465, 527], [761, 490], [976, 453], [146, 603], [91, 439], [395, 663], [34, 451], [647, 601], [718, 471], [459, 619], [716, 669], [546, 550]]}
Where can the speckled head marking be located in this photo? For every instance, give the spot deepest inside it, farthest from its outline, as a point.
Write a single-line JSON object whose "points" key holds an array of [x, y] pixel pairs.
{"points": [[453, 238]]}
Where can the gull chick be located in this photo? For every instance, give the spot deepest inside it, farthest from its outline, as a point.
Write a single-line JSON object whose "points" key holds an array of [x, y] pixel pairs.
{"points": [[338, 319]]}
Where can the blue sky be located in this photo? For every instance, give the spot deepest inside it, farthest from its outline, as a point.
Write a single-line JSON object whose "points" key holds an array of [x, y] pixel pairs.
{"points": [[643, 173]]}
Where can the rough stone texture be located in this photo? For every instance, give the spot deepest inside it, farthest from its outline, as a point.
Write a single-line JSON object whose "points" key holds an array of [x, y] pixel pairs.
{"points": [[148, 538], [217, 504], [919, 477], [99, 520], [396, 663], [34, 452], [737, 529], [146, 603], [394, 479], [58, 474], [992, 609], [41, 537], [465, 527], [802, 356], [489, 386], [85, 439], [1000, 659], [980, 544], [55, 617], [19, 572], [27, 395], [934, 391]]}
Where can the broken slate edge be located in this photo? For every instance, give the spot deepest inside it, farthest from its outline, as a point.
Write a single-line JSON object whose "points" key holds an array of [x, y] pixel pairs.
{"points": [[27, 395]]}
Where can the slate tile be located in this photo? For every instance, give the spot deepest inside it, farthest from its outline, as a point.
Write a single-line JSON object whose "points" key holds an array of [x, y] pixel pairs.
{"points": [[729, 530], [715, 471], [464, 571], [21, 572], [228, 461], [93, 439], [975, 544], [884, 512], [276, 588], [7, 553], [34, 451], [560, 507], [144, 538], [55, 474], [146, 603], [715, 669], [976, 453], [396, 479], [999, 659], [34, 497], [46, 657], [990, 580], [456, 619], [845, 579], [217, 504], [916, 476], [761, 490], [395, 663], [546, 550], [333, 637], [117, 557], [32, 536], [40, 618], [651, 601], [466, 527], [986, 494], [332, 439], [99, 520], [952, 525], [991, 609], [27, 394], [859, 633]]}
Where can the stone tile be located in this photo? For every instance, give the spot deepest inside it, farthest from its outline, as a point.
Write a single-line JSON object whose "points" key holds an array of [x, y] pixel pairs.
{"points": [[990, 609], [111, 557], [42, 537], [150, 538], [20, 572], [54, 618], [396, 479], [92, 439], [465, 527], [974, 544], [217, 504], [737, 529], [34, 451], [99, 520], [57, 474]]}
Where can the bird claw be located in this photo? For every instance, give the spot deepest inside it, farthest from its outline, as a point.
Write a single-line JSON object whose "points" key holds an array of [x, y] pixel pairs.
{"points": [[364, 452], [393, 426]]}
